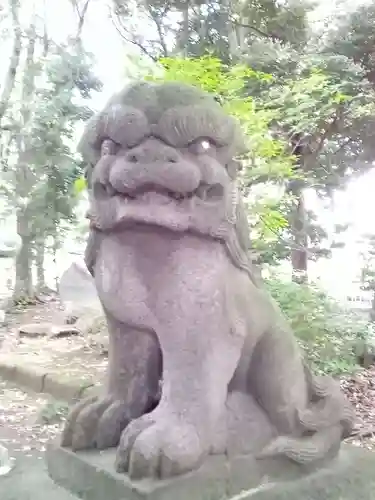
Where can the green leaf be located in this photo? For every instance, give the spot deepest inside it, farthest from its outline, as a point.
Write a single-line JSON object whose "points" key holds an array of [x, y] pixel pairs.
{"points": [[80, 185]]}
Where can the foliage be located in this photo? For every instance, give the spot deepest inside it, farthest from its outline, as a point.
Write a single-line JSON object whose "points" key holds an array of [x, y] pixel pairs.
{"points": [[267, 157], [226, 29], [318, 112], [368, 270], [80, 185], [45, 196], [323, 108], [274, 240], [59, 107], [326, 332], [354, 37]]}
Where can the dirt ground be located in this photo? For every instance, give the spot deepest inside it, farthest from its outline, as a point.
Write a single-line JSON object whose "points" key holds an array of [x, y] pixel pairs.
{"points": [[360, 390], [28, 421], [75, 358]]}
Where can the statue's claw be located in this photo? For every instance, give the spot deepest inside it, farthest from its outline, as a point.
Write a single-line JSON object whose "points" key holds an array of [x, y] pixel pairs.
{"points": [[159, 448], [95, 423]]}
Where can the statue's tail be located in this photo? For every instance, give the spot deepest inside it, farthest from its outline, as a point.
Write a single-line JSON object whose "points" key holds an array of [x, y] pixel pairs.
{"points": [[326, 421]]}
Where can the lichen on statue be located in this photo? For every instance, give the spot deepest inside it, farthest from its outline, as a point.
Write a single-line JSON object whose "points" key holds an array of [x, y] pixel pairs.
{"points": [[168, 249]]}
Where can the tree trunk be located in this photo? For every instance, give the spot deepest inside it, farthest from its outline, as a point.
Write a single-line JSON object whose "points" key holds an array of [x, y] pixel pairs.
{"points": [[186, 30], [10, 77], [25, 178], [39, 264], [299, 252], [226, 11], [372, 310], [23, 288], [298, 222]]}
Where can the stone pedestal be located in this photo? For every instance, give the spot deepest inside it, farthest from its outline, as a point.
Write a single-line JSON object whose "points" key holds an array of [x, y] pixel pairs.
{"points": [[91, 476]]}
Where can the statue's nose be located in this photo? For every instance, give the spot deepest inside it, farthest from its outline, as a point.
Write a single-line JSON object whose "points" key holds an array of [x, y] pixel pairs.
{"points": [[152, 152], [154, 163]]}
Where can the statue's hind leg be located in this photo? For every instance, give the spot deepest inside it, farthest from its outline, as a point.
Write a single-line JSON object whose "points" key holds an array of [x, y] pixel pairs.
{"points": [[248, 427]]}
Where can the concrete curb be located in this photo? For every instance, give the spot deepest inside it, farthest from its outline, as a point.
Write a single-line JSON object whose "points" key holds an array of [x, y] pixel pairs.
{"points": [[38, 380]]}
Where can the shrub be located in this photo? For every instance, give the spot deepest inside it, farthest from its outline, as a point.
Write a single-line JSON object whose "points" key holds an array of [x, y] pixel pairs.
{"points": [[326, 331]]}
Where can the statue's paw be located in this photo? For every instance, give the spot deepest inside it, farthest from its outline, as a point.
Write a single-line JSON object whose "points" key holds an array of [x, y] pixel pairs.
{"points": [[95, 423], [159, 447]]}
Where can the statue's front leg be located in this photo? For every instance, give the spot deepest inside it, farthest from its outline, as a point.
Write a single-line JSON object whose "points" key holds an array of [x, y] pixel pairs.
{"points": [[132, 385], [200, 355]]}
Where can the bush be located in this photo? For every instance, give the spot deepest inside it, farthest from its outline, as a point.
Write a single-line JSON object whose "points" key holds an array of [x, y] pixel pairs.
{"points": [[327, 332]]}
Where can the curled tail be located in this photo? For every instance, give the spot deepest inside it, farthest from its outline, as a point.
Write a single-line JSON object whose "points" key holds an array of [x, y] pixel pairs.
{"points": [[305, 450], [327, 420]]}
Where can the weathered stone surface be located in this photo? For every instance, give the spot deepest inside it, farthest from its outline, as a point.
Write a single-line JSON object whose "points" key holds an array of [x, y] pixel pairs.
{"points": [[169, 252], [29, 481], [82, 305], [90, 475], [91, 323], [350, 478], [94, 328], [78, 293], [35, 330], [59, 331], [55, 384], [60, 367]]}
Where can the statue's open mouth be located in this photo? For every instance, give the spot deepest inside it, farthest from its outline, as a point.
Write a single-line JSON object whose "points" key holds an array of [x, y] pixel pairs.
{"points": [[157, 194], [156, 206]]}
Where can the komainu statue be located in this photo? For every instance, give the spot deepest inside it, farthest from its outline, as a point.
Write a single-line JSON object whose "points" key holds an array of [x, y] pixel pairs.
{"points": [[201, 360]]}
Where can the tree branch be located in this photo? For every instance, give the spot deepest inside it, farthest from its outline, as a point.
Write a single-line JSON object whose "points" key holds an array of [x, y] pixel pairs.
{"points": [[45, 32], [260, 32], [14, 59], [348, 141], [129, 38], [159, 29], [81, 13]]}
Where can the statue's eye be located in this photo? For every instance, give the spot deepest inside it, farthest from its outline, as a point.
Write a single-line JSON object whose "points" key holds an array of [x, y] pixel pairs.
{"points": [[108, 147], [202, 145]]}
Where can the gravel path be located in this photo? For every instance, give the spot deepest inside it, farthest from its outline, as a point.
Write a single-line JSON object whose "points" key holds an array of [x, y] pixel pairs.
{"points": [[27, 421]]}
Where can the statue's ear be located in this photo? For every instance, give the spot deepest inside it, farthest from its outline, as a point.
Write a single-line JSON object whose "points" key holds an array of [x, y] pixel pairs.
{"points": [[233, 167], [92, 248], [89, 143], [242, 226], [88, 174], [237, 239]]}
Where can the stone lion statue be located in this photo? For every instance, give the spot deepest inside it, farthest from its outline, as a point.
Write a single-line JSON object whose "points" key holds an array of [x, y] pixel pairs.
{"points": [[169, 252]]}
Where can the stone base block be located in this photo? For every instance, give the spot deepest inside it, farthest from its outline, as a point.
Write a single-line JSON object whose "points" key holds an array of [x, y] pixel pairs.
{"points": [[91, 476]]}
